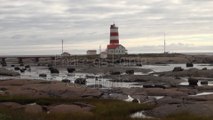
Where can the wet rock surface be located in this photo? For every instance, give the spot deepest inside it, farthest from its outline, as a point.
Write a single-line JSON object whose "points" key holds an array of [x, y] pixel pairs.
{"points": [[189, 73], [130, 72], [189, 64], [177, 69], [81, 81], [66, 81], [53, 70], [146, 80], [5, 72], [70, 70], [108, 69], [192, 82], [42, 75]]}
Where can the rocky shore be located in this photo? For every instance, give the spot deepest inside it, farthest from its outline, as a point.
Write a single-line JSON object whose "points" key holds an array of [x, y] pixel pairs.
{"points": [[163, 90], [25, 91], [167, 100]]}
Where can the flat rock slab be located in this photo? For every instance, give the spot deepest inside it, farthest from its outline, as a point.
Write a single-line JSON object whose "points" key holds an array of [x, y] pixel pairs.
{"points": [[191, 72], [203, 109], [63, 108], [34, 108], [201, 98], [156, 92], [11, 105], [39, 88]]}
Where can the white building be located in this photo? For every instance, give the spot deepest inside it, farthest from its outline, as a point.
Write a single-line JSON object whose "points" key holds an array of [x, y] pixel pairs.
{"points": [[91, 52], [103, 55], [116, 50]]}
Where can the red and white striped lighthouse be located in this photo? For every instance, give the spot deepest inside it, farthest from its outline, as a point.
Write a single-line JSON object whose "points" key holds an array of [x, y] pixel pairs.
{"points": [[114, 47], [114, 35]]}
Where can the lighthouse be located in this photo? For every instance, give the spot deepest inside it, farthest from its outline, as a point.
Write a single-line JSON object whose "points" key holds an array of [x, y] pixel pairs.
{"points": [[114, 47], [114, 35]]}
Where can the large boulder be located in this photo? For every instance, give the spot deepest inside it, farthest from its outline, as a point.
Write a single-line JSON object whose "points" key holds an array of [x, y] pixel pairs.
{"points": [[135, 101], [70, 70], [139, 64], [205, 68], [192, 82], [21, 64], [22, 70], [4, 64], [12, 65], [148, 86], [189, 65], [81, 81], [16, 68], [163, 86], [66, 81], [130, 72], [177, 69], [43, 75], [27, 66], [115, 73], [53, 70], [204, 82]]}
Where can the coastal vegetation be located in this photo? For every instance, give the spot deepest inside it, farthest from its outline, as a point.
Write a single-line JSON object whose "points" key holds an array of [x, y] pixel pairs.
{"points": [[103, 110]]}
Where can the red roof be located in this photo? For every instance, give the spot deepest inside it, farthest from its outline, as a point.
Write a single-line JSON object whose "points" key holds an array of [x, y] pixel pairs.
{"points": [[112, 46]]}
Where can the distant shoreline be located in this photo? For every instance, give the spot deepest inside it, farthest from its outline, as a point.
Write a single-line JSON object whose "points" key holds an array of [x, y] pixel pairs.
{"points": [[198, 53], [80, 54]]}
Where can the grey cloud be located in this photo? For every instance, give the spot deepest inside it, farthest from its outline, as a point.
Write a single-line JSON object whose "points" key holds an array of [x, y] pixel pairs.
{"points": [[46, 22]]}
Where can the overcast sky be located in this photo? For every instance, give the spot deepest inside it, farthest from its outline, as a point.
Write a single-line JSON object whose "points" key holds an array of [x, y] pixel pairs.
{"points": [[38, 26]]}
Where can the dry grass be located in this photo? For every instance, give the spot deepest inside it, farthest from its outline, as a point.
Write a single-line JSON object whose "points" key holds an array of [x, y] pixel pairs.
{"points": [[104, 110]]}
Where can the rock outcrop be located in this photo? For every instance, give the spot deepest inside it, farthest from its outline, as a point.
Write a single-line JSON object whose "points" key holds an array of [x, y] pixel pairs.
{"points": [[6, 72]]}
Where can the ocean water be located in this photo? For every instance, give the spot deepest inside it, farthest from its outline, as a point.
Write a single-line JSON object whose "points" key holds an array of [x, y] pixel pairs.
{"points": [[36, 70], [170, 67]]}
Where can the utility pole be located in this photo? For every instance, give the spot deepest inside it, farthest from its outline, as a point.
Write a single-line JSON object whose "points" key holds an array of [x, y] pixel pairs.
{"points": [[62, 47], [164, 42], [99, 56], [100, 49]]}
